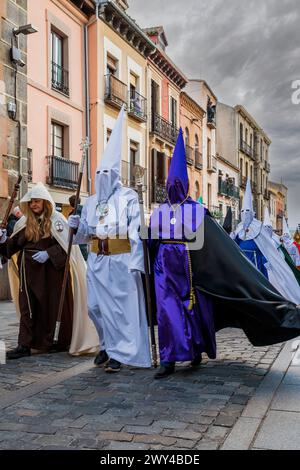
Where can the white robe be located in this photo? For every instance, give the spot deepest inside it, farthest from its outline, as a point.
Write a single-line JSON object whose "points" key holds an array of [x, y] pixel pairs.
{"points": [[116, 301], [279, 273]]}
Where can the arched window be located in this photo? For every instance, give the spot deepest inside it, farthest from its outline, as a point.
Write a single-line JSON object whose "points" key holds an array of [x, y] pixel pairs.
{"points": [[241, 132], [187, 136], [197, 190]]}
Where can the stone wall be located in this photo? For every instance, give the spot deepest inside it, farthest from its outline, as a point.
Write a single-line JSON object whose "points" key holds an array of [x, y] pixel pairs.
{"points": [[13, 130]]}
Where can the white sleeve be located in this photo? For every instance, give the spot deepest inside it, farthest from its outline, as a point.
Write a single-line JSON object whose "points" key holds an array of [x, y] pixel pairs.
{"points": [[137, 254], [82, 234]]}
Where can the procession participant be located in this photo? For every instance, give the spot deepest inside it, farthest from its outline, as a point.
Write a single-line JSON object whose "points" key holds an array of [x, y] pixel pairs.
{"points": [[256, 244], [227, 224], [184, 317], [110, 219], [13, 219], [297, 241], [288, 243], [37, 250], [279, 246]]}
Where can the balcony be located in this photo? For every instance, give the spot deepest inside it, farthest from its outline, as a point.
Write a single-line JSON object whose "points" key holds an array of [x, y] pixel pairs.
{"points": [[137, 106], [59, 79], [215, 211], [198, 160], [189, 155], [267, 166], [127, 175], [211, 117], [244, 147], [62, 172], [164, 129], [227, 188], [115, 91], [211, 164], [243, 183], [159, 193]]}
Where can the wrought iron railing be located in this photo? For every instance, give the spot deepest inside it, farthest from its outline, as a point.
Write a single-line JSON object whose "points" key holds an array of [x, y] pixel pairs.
{"points": [[211, 163], [62, 172], [164, 128], [115, 91], [226, 188], [198, 160], [128, 177], [189, 154], [137, 105], [247, 149], [60, 79], [159, 192]]}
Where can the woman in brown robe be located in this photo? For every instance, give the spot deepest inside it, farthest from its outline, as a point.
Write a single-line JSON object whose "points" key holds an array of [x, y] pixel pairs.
{"points": [[40, 262]]}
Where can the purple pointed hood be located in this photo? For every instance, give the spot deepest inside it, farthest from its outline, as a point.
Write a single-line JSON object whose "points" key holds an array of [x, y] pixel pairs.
{"points": [[178, 181]]}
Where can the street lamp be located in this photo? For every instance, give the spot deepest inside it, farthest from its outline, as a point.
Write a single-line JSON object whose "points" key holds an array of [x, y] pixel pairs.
{"points": [[25, 29]]}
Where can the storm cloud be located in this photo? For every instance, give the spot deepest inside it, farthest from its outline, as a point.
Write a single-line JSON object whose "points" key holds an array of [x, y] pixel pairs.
{"points": [[249, 53]]}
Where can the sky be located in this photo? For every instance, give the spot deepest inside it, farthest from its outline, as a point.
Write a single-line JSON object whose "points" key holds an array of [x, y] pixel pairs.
{"points": [[249, 53]]}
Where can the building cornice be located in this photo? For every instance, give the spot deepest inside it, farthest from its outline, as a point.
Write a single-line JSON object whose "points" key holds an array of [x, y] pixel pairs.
{"points": [[168, 68], [118, 20], [222, 159], [190, 104], [243, 111]]}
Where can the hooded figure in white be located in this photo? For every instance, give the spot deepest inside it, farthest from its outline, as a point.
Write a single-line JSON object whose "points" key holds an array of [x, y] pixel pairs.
{"points": [[110, 220], [288, 243], [34, 264], [256, 243]]}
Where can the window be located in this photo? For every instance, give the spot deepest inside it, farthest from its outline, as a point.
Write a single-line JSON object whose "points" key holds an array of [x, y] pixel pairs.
{"points": [[108, 134], [247, 170], [251, 140], [29, 164], [112, 65], [187, 137], [241, 166], [196, 143], [209, 195], [197, 190], [246, 136], [251, 173], [57, 140], [134, 153], [154, 97], [173, 112], [261, 149], [59, 57], [241, 132]]}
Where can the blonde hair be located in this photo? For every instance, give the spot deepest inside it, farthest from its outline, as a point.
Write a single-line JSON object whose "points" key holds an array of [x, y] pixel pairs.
{"points": [[36, 230]]}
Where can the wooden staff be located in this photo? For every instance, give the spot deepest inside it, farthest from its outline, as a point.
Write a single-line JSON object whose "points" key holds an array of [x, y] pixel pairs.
{"points": [[84, 146], [11, 203], [139, 173]]}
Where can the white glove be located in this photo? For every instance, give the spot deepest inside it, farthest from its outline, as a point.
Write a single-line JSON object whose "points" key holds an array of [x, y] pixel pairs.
{"points": [[3, 236], [41, 256], [73, 221]]}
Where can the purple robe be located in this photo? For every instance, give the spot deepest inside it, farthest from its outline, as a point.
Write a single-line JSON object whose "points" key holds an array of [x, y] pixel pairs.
{"points": [[183, 333]]}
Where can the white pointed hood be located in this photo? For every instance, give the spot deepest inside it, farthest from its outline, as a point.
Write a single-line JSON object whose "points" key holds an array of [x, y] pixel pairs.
{"points": [[267, 220], [247, 212], [108, 176], [285, 228]]}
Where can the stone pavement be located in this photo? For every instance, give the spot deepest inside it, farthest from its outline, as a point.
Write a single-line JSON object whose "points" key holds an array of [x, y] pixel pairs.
{"points": [[55, 401]]}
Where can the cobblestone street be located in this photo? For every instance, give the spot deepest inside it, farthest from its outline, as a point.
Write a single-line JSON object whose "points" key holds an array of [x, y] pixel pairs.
{"points": [[56, 401]]}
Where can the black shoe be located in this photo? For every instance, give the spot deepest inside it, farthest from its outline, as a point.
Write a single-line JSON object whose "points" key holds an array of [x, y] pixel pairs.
{"points": [[164, 371], [19, 351], [196, 361], [101, 358], [113, 366]]}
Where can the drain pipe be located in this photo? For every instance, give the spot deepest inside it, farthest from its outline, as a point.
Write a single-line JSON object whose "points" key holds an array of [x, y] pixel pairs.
{"points": [[87, 107]]}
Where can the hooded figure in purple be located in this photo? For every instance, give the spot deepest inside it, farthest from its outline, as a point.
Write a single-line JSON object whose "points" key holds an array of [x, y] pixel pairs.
{"points": [[184, 315]]}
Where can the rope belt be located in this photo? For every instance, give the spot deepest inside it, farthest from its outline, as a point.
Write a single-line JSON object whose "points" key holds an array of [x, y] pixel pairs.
{"points": [[190, 272], [23, 280], [110, 246]]}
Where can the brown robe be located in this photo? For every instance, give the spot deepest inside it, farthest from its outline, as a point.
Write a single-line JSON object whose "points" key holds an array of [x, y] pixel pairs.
{"points": [[40, 288]]}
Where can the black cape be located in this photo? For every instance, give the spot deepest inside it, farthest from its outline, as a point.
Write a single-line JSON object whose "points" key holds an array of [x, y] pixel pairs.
{"points": [[242, 296]]}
